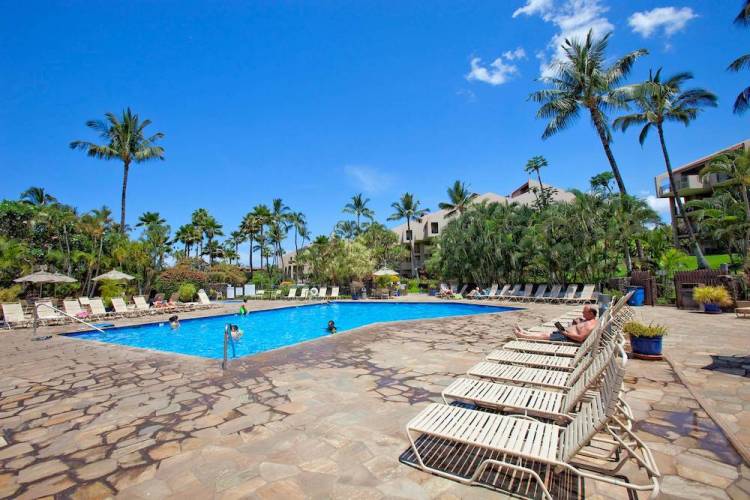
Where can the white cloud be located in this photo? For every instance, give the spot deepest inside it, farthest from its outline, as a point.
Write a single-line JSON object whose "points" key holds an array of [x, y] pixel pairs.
{"points": [[659, 205], [534, 7], [367, 178], [670, 19], [512, 55], [499, 71], [573, 19]]}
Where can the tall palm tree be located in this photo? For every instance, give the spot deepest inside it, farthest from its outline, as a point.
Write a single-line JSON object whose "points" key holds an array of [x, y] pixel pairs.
{"points": [[659, 102], [251, 227], [198, 220], [280, 220], [583, 82], [263, 215], [150, 219], [37, 196], [408, 208], [186, 234], [535, 165], [459, 197], [125, 141], [212, 229], [358, 208], [600, 183], [298, 221], [742, 102], [236, 238], [345, 229]]}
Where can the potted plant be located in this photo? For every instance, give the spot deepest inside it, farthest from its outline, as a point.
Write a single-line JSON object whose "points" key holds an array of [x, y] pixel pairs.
{"points": [[712, 298], [645, 339]]}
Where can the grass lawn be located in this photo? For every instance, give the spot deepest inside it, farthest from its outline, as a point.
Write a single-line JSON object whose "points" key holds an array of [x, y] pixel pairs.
{"points": [[691, 263]]}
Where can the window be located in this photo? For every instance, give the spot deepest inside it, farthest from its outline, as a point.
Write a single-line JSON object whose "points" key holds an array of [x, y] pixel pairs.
{"points": [[434, 228], [408, 235]]}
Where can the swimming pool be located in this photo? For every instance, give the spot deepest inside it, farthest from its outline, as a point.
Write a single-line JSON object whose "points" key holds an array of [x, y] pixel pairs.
{"points": [[266, 330]]}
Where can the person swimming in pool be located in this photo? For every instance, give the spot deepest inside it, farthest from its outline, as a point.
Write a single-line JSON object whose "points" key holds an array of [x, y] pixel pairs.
{"points": [[235, 332], [174, 322], [331, 327], [243, 308]]}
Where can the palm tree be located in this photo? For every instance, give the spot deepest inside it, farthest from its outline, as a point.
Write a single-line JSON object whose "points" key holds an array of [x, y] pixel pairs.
{"points": [[150, 219], [212, 229], [236, 238], [735, 168], [263, 215], [742, 102], [280, 222], [583, 82], [536, 164], [299, 223], [345, 229], [251, 228], [600, 183], [459, 196], [125, 141], [198, 220], [660, 101], [408, 208], [358, 207], [37, 196], [186, 234]]}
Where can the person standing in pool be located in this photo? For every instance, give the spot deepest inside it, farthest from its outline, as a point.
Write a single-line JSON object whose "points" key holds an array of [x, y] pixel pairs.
{"points": [[174, 322], [331, 327], [243, 308], [235, 332]]}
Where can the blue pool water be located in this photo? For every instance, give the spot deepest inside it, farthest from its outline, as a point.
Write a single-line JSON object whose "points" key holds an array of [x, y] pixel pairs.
{"points": [[266, 330]]}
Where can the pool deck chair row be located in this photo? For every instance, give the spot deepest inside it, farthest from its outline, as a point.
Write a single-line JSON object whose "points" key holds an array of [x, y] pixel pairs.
{"points": [[317, 293], [542, 293], [538, 431]]}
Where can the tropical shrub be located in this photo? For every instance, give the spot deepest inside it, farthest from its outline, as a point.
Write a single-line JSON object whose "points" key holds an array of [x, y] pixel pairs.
{"points": [[712, 295], [170, 280], [109, 289], [636, 329], [187, 292], [227, 273], [11, 293], [382, 281]]}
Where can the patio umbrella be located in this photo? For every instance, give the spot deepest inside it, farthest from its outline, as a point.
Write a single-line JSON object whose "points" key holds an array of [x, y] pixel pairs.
{"points": [[43, 277], [115, 275], [384, 271]]}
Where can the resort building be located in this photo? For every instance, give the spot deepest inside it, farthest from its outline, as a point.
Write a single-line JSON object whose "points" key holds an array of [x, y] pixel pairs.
{"points": [[290, 267], [691, 186], [428, 227]]}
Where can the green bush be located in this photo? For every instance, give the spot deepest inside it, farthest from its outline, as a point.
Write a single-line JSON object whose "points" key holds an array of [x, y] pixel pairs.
{"points": [[170, 280], [412, 285], [636, 329], [227, 273], [109, 289], [10, 294], [187, 292], [382, 281]]}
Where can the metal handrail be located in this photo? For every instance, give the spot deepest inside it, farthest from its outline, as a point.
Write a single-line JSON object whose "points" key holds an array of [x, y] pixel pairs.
{"points": [[36, 316], [227, 339]]}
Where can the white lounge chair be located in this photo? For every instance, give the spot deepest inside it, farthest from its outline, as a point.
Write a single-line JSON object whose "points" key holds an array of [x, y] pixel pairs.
{"points": [[73, 307], [519, 444], [14, 316], [142, 306], [121, 308], [303, 293], [491, 294], [510, 293], [570, 293], [523, 294], [292, 293], [553, 295], [334, 293], [47, 314], [539, 294], [586, 295], [322, 292], [98, 310]]}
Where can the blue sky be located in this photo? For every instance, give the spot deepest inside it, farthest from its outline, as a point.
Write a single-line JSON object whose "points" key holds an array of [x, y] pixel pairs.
{"points": [[315, 101]]}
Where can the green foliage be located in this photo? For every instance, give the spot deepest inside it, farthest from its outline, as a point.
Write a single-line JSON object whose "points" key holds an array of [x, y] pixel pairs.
{"points": [[584, 240], [673, 260], [336, 261], [170, 280], [187, 292], [412, 285], [382, 281], [384, 245], [16, 219], [712, 295], [227, 273], [109, 289], [637, 329], [10, 294]]}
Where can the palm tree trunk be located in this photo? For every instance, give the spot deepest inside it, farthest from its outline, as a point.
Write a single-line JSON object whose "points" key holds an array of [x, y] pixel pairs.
{"points": [[250, 258], [126, 168], [411, 248], [702, 262], [598, 123]]}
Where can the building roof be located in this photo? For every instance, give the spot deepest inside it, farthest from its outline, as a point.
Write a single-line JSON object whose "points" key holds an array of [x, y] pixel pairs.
{"points": [[701, 161]]}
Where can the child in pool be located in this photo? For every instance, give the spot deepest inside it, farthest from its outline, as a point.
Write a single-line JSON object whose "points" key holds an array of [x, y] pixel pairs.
{"points": [[235, 332], [331, 327]]}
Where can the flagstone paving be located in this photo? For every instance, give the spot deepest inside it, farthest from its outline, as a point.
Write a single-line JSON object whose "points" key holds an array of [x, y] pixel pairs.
{"points": [[324, 419]]}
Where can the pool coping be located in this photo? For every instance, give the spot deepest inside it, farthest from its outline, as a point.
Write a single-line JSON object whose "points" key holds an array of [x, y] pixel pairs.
{"points": [[72, 335]]}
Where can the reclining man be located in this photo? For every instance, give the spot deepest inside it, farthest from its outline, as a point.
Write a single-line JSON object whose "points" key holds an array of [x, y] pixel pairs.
{"points": [[578, 330]]}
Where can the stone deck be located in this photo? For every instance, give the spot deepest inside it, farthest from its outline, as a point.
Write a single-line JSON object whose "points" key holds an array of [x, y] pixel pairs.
{"points": [[323, 419]]}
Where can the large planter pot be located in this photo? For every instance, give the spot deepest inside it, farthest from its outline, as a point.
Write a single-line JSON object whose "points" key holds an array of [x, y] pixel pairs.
{"points": [[712, 308], [650, 346]]}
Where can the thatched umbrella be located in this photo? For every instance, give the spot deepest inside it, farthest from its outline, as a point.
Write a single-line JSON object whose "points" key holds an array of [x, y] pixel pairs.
{"points": [[384, 271], [114, 275], [43, 277]]}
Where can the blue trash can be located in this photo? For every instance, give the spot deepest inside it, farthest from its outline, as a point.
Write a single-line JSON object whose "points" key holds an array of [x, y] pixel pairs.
{"points": [[638, 297]]}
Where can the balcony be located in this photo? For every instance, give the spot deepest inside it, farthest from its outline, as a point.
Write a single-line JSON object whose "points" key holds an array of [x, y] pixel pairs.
{"points": [[687, 185]]}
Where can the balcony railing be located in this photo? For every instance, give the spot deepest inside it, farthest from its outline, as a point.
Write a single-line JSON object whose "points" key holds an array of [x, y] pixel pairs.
{"points": [[683, 183]]}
